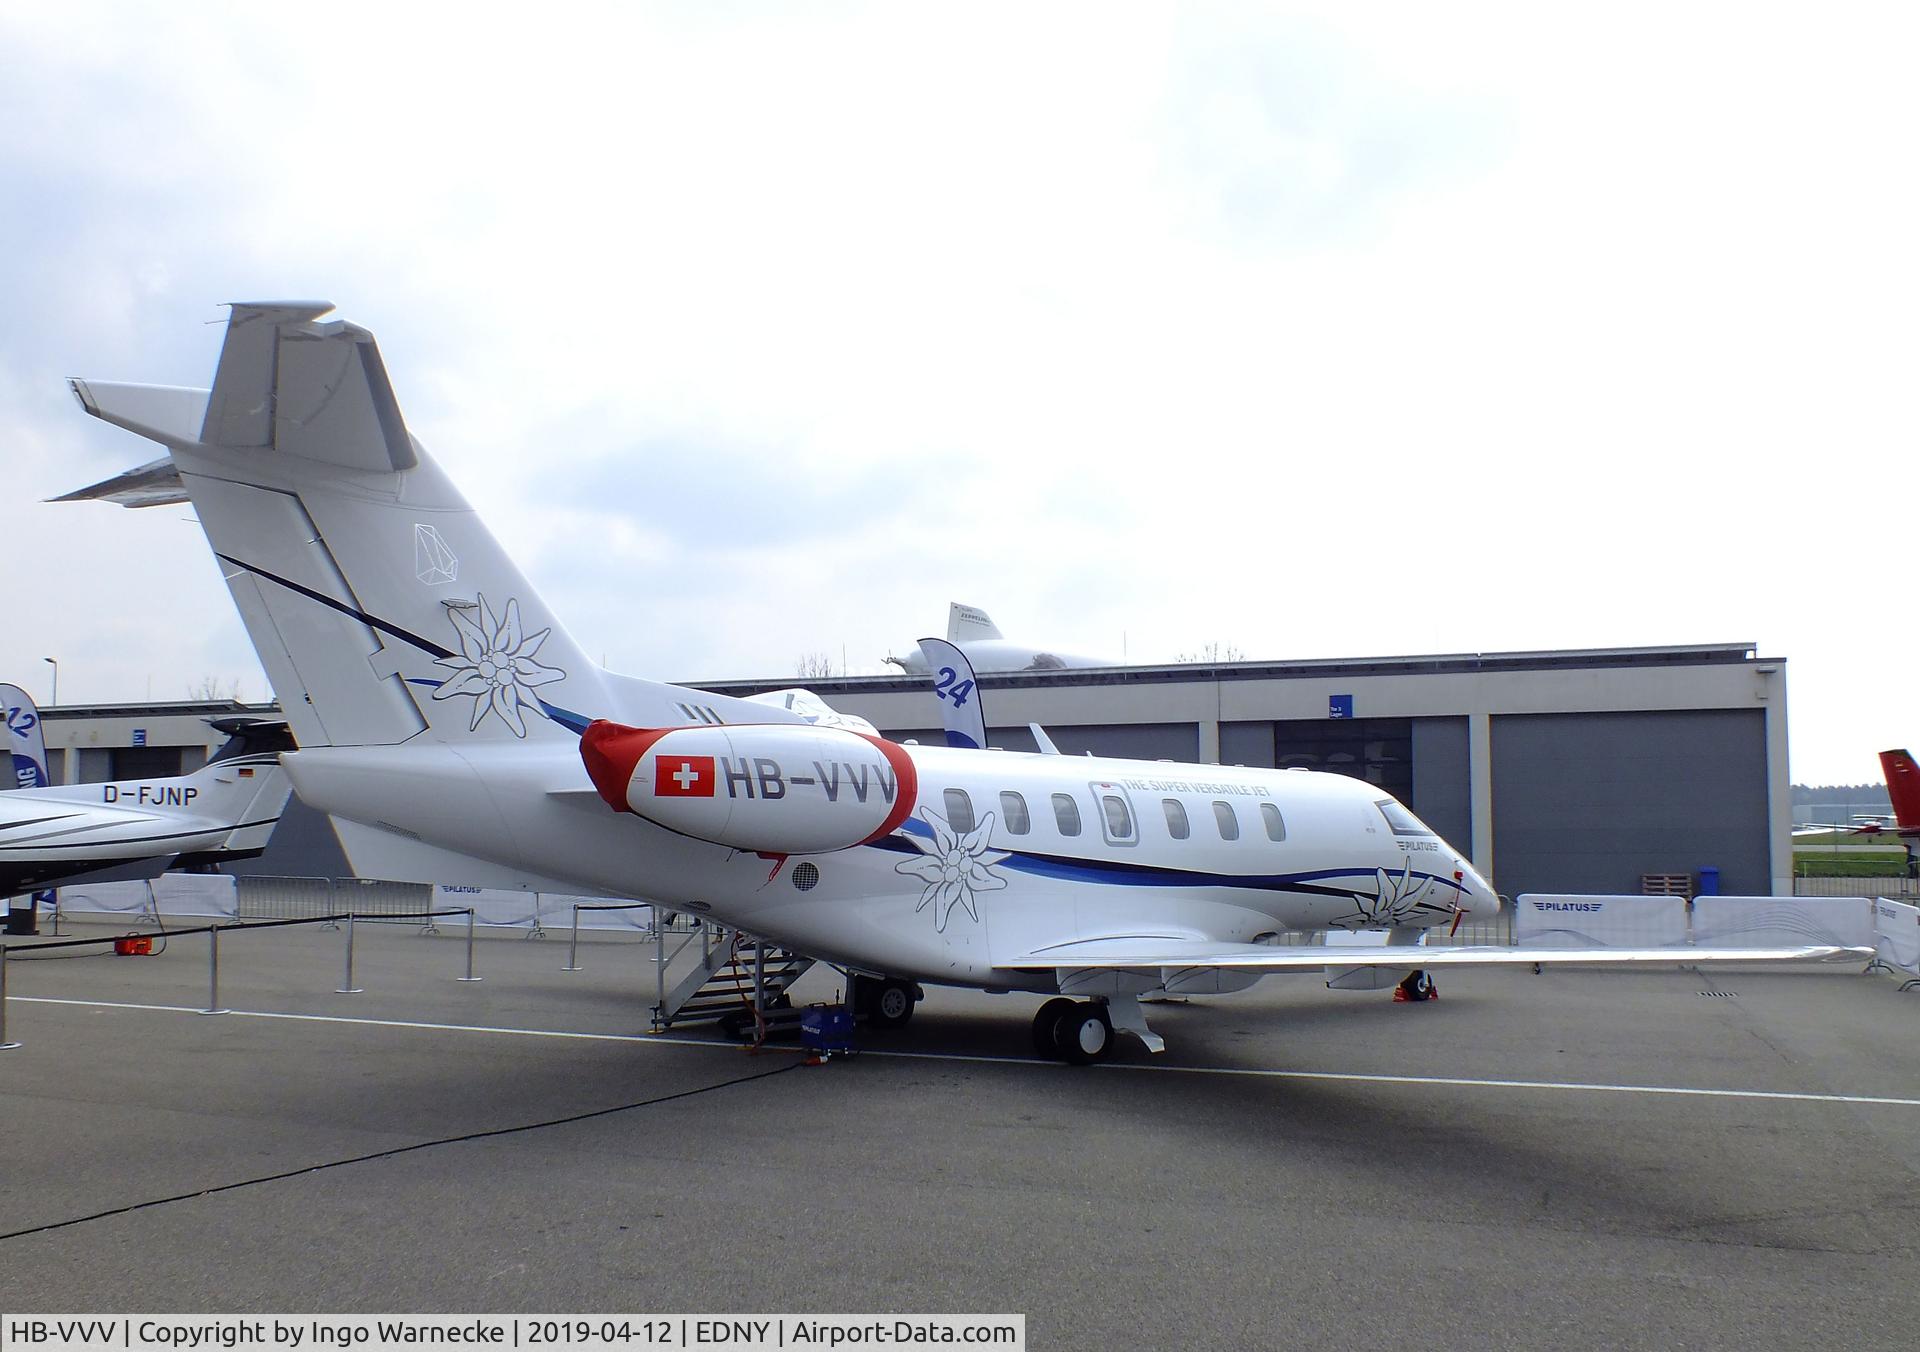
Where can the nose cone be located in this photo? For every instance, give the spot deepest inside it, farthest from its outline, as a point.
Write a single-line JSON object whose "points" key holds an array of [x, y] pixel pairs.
{"points": [[1476, 897]]}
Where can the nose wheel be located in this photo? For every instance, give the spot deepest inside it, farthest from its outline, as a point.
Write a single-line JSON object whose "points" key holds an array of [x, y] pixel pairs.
{"points": [[1079, 1032], [1417, 986], [885, 1004]]}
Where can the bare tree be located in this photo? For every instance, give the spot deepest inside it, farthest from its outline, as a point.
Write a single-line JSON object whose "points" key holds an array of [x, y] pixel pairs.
{"points": [[209, 690], [813, 665], [1215, 651]]}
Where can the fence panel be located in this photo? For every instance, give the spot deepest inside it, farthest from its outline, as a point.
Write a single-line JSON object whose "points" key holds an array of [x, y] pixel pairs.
{"points": [[271, 898], [1896, 888]]}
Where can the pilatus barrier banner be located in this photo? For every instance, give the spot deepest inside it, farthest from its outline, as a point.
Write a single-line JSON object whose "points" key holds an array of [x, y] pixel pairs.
{"points": [[1896, 934], [1552, 920]]}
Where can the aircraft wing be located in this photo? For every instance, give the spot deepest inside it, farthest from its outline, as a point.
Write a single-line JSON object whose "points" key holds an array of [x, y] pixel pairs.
{"points": [[1101, 954]]}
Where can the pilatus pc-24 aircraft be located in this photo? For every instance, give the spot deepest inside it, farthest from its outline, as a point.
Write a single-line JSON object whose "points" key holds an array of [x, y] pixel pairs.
{"points": [[457, 734], [140, 828]]}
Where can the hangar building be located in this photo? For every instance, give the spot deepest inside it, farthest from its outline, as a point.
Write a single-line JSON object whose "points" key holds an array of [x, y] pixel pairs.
{"points": [[1572, 771]]}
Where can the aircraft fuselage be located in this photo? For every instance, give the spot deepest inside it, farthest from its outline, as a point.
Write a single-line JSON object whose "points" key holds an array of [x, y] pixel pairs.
{"points": [[1109, 847]]}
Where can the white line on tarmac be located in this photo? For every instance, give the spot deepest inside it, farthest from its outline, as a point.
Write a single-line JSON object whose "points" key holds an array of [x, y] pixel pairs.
{"points": [[1249, 1072]]}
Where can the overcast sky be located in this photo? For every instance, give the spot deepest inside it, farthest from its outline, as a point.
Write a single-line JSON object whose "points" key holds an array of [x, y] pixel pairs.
{"points": [[759, 331]]}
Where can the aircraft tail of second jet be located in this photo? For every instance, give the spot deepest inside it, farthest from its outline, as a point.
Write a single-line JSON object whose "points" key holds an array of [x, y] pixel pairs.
{"points": [[1903, 787]]}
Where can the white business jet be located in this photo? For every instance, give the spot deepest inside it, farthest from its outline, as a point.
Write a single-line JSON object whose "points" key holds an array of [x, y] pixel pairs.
{"points": [[140, 828], [458, 735]]}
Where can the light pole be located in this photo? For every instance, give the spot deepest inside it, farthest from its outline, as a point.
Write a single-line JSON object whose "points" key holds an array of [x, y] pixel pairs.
{"points": [[56, 680]]}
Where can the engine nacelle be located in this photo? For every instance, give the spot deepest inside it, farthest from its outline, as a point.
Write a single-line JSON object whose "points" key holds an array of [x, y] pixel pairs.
{"points": [[774, 788]]}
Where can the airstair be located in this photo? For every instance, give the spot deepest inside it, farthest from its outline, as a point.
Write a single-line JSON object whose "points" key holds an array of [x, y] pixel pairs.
{"points": [[733, 977]]}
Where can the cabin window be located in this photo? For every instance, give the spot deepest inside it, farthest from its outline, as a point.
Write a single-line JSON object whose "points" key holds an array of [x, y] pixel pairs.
{"points": [[1013, 811], [959, 811], [1403, 822], [1176, 818], [1276, 826], [1228, 823], [1118, 819], [1066, 812]]}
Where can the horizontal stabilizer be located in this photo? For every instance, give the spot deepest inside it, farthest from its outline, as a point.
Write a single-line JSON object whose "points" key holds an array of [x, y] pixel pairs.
{"points": [[317, 391], [1132, 953], [154, 484], [170, 414]]}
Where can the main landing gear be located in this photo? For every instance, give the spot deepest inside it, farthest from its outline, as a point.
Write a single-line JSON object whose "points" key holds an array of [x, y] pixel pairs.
{"points": [[1079, 1032]]}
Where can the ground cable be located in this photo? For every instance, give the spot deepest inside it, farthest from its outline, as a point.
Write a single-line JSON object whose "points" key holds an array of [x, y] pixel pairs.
{"points": [[397, 1150]]}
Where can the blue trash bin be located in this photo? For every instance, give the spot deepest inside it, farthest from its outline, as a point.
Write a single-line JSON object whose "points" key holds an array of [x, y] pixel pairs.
{"points": [[1709, 883]]}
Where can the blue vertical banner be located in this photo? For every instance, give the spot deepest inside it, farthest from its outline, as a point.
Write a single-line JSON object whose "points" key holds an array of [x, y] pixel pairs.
{"points": [[26, 743]]}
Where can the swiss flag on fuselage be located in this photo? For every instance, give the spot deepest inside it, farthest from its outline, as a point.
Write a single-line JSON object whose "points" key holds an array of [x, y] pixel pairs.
{"points": [[683, 776]]}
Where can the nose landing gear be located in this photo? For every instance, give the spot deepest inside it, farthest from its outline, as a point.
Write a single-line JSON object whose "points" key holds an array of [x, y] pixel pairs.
{"points": [[885, 1004], [1415, 987]]}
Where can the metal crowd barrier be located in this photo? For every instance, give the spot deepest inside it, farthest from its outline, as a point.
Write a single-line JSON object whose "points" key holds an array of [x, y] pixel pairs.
{"points": [[213, 933], [265, 897], [1894, 889], [573, 945]]}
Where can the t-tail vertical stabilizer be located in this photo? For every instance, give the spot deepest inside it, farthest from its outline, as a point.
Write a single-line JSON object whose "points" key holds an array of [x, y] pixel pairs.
{"points": [[969, 624], [381, 606]]}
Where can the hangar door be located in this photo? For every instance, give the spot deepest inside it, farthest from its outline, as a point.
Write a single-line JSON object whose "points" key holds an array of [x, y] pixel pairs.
{"points": [[1590, 802], [1420, 761]]}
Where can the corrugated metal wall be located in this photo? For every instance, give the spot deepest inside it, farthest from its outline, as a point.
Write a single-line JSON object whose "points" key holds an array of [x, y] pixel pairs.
{"points": [[1590, 802]]}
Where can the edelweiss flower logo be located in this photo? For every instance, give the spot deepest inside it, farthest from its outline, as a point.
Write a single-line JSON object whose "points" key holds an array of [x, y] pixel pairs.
{"points": [[1395, 898], [495, 665], [954, 868]]}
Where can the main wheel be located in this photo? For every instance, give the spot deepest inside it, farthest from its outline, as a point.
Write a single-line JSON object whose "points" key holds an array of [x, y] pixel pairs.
{"points": [[891, 1004], [1084, 1034], [1043, 1025]]}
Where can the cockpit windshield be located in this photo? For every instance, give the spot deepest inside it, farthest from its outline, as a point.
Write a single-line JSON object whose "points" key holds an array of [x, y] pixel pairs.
{"points": [[1403, 822]]}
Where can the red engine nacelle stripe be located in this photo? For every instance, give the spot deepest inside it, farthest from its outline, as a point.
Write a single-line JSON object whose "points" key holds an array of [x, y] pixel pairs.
{"points": [[612, 752], [908, 779]]}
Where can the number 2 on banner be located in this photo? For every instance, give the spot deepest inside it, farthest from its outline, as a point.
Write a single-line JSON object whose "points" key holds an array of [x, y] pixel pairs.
{"points": [[946, 688]]}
